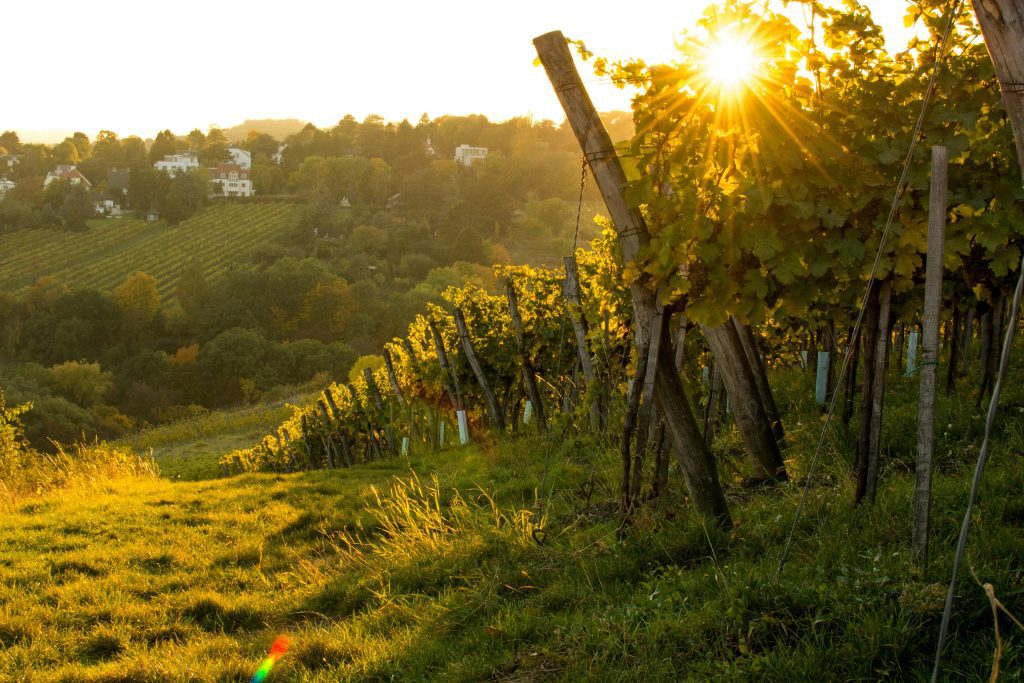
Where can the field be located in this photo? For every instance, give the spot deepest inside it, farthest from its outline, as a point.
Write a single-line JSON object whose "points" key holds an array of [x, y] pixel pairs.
{"points": [[101, 257], [441, 567]]}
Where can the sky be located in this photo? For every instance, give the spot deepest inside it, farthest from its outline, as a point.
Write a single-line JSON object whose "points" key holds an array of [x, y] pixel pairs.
{"points": [[136, 66]]}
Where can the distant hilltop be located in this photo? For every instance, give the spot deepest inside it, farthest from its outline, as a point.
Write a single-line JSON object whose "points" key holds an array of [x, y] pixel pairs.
{"points": [[277, 128]]}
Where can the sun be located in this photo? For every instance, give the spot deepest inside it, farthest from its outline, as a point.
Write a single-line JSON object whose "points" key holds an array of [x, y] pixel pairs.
{"points": [[730, 62]]}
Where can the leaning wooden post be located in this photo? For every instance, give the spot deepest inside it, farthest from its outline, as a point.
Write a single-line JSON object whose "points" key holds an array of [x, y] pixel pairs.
{"points": [[571, 290], [529, 374], [929, 352], [746, 335], [378, 401], [447, 372], [748, 410], [497, 418], [392, 377], [326, 436], [695, 460]]}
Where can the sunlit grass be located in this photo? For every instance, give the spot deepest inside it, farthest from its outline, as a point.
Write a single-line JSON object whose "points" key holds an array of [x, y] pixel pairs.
{"points": [[427, 569]]}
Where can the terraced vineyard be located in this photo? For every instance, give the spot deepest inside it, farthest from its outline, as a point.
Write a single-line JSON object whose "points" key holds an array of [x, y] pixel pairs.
{"points": [[110, 250]]}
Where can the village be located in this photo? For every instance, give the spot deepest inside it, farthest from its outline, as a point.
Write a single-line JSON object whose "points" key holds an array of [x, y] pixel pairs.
{"points": [[231, 178]]}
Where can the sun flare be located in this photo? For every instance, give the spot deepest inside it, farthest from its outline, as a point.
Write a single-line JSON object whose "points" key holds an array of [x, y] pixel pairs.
{"points": [[730, 62]]}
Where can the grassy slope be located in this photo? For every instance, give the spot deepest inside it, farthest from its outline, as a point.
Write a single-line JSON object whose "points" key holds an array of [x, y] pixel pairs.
{"points": [[111, 249], [152, 580]]}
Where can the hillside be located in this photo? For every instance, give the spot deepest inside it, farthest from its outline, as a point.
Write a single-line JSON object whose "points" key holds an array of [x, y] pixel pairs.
{"points": [[442, 567], [101, 257]]}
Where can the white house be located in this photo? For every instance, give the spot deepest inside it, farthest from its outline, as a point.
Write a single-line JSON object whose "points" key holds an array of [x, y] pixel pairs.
{"points": [[69, 173], [232, 180], [5, 186], [108, 207], [466, 155], [242, 157], [182, 162], [10, 160]]}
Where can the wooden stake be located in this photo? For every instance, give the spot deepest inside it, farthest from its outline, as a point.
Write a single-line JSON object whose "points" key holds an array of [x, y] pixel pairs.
{"points": [[447, 372], [749, 412], [529, 374], [699, 470], [497, 419], [878, 389], [393, 378], [764, 389], [929, 352]]}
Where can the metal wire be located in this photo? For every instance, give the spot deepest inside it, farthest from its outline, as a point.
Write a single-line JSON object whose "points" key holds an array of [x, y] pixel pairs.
{"points": [[900, 186], [979, 470]]}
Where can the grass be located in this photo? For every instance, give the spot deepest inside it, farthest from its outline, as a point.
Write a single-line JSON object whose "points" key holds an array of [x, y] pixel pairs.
{"points": [[190, 449], [110, 250], [429, 568]]}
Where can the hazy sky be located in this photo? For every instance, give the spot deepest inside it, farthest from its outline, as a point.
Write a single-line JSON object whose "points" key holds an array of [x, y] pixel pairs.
{"points": [[136, 66]]}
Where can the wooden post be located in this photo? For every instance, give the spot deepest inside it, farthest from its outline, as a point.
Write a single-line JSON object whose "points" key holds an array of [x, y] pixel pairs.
{"points": [[680, 345], [764, 389], [868, 341], [529, 374], [699, 470], [447, 372], [878, 389], [571, 290], [751, 419], [392, 377], [374, 391], [326, 437], [821, 378], [929, 352], [497, 419]]}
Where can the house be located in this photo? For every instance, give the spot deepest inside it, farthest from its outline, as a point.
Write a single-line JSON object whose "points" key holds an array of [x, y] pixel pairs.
{"points": [[153, 216], [182, 162], [10, 160], [429, 150], [242, 157], [232, 180], [466, 155], [108, 208], [69, 173], [5, 186]]}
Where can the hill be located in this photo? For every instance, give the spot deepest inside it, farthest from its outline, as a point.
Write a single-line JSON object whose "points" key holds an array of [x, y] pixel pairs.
{"points": [[101, 257], [443, 566], [276, 128]]}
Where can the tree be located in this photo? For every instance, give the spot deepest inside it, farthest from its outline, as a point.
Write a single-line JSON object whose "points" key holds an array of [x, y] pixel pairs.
{"points": [[81, 142], [83, 383], [215, 147], [196, 140], [108, 148], [262, 146], [76, 208], [164, 144], [138, 300], [186, 194], [146, 188], [134, 151], [9, 141]]}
